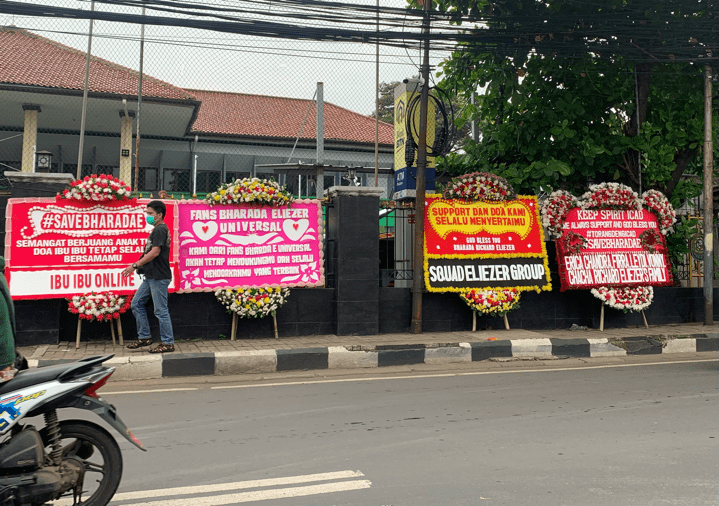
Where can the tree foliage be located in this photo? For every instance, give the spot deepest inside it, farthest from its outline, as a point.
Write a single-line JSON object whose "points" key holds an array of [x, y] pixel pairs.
{"points": [[567, 117], [386, 102]]}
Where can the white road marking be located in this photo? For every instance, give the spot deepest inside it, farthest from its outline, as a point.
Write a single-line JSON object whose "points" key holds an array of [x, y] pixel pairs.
{"points": [[240, 497], [451, 375], [262, 495], [418, 376], [154, 391], [239, 485]]}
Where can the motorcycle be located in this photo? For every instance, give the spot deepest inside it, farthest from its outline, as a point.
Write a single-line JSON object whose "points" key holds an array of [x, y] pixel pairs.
{"points": [[61, 459]]}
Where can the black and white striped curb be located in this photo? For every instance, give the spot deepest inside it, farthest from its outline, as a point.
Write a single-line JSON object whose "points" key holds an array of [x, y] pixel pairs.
{"points": [[359, 357]]}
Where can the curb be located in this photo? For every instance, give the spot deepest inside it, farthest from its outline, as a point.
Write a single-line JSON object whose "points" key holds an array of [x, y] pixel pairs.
{"points": [[363, 357]]}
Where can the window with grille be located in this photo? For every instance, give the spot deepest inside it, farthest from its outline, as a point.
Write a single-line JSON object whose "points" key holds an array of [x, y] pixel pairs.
{"points": [[88, 170], [232, 176], [68, 168], [148, 178], [8, 165], [108, 170], [176, 180], [266, 175], [207, 181]]}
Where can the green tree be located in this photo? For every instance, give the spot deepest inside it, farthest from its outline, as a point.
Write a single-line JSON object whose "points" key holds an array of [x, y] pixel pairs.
{"points": [[386, 102], [561, 93]]}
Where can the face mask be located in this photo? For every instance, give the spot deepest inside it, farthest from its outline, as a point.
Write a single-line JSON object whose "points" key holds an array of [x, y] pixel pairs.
{"points": [[150, 220]]}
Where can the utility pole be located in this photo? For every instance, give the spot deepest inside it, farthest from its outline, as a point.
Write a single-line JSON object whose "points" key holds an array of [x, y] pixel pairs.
{"points": [[418, 272], [84, 95], [708, 199], [139, 104], [376, 107]]}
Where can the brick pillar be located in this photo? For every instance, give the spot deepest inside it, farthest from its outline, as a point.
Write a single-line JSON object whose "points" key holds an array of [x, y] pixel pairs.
{"points": [[29, 137], [126, 147], [353, 224]]}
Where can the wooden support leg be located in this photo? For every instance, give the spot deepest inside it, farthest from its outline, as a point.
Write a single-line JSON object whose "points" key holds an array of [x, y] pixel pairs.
{"points": [[79, 327], [233, 333], [474, 321], [506, 322], [112, 331], [119, 332], [644, 317], [274, 320], [601, 320]]}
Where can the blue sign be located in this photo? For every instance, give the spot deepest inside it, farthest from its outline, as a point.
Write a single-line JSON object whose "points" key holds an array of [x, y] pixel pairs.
{"points": [[406, 179]]}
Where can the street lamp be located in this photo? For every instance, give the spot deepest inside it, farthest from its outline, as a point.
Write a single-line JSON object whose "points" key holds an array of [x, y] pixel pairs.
{"points": [[351, 177], [43, 161]]}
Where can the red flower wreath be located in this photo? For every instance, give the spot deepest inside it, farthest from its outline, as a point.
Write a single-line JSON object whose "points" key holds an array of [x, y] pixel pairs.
{"points": [[94, 188], [481, 186], [103, 306]]}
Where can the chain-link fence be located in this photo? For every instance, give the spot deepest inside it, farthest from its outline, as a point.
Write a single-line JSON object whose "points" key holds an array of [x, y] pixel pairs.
{"points": [[211, 106]]}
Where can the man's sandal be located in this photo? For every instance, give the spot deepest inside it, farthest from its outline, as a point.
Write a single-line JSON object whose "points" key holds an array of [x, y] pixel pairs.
{"points": [[163, 348], [139, 344]]}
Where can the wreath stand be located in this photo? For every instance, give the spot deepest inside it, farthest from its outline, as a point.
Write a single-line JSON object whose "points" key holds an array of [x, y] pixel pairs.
{"points": [[474, 321], [112, 331], [601, 319], [233, 333]]}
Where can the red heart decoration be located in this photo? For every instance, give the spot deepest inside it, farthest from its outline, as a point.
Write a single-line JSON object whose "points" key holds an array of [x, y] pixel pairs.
{"points": [[295, 226], [205, 228]]}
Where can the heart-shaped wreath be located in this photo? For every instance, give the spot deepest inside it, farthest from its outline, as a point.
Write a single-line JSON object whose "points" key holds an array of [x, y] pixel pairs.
{"points": [[103, 306], [253, 302], [606, 196]]}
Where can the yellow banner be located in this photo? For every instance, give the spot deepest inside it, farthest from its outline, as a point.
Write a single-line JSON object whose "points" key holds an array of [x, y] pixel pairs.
{"points": [[400, 123], [472, 218]]}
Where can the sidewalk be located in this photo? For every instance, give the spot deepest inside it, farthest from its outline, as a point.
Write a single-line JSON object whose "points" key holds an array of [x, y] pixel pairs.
{"points": [[225, 357]]}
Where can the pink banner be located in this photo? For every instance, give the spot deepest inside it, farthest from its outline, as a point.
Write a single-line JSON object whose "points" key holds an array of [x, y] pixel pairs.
{"points": [[244, 246]]}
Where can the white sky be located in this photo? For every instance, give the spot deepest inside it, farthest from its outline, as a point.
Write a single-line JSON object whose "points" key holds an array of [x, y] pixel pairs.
{"points": [[236, 63]]}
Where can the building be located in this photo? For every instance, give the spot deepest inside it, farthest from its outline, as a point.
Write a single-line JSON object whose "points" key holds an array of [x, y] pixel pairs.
{"points": [[188, 137]]}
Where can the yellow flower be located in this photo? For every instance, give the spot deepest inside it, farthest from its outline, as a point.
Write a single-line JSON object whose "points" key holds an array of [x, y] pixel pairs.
{"points": [[266, 300], [222, 192], [217, 197]]}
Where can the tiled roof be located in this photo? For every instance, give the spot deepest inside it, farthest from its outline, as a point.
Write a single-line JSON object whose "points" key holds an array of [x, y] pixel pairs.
{"points": [[28, 59], [237, 114]]}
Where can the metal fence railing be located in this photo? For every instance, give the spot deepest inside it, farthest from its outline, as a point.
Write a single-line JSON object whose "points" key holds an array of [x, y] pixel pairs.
{"points": [[396, 233]]}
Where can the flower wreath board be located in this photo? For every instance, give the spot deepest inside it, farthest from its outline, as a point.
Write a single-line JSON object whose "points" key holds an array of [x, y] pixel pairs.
{"points": [[485, 242], [57, 248], [247, 237], [612, 242], [77, 244], [106, 306]]}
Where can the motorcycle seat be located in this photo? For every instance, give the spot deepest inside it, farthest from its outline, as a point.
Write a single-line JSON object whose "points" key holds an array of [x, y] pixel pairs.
{"points": [[60, 372]]}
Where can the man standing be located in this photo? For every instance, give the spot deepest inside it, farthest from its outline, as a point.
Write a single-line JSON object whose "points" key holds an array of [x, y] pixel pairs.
{"points": [[154, 264]]}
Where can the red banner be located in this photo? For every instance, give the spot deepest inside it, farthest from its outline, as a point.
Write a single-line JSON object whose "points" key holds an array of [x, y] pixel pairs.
{"points": [[488, 245], [64, 248], [613, 249]]}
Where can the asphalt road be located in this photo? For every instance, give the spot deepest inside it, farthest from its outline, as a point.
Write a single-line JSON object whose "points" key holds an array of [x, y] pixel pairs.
{"points": [[643, 433]]}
